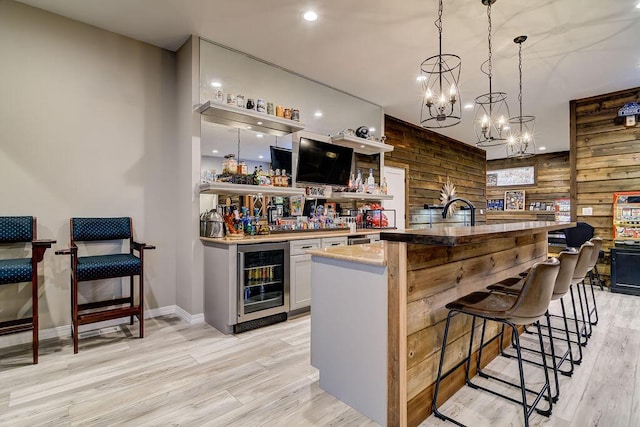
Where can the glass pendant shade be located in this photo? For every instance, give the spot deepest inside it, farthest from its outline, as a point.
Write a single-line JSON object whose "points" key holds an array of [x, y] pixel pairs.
{"points": [[521, 142], [491, 109], [440, 74]]}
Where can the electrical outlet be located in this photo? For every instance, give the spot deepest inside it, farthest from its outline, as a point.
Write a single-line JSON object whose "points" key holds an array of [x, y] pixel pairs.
{"points": [[587, 211]]}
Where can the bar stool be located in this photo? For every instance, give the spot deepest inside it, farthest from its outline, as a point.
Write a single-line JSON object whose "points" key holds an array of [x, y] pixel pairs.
{"points": [[525, 308], [582, 269], [593, 276], [568, 260]]}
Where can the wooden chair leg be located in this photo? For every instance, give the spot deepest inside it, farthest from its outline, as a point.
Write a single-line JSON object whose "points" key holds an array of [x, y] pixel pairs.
{"points": [[74, 315], [131, 298], [141, 302], [34, 315]]}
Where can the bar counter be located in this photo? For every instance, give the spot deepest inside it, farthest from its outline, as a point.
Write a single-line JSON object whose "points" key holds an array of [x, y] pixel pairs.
{"points": [[423, 271]]}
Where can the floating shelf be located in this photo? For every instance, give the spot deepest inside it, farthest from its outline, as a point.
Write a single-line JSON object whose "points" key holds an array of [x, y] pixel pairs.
{"points": [[228, 188], [361, 145], [241, 118], [359, 196]]}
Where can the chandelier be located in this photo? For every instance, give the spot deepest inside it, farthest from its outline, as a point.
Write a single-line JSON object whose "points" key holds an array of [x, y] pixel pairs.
{"points": [[440, 74], [521, 142], [492, 111]]}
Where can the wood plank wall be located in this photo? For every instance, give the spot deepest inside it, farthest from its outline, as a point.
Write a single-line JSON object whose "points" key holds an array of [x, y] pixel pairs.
{"points": [[606, 156], [430, 158], [553, 180]]}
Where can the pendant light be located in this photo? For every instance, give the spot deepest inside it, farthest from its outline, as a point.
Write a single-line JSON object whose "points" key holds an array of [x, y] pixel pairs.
{"points": [[441, 107], [521, 142], [492, 111]]}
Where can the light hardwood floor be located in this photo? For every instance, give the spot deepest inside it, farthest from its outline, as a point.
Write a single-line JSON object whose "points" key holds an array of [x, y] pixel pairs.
{"points": [[193, 375]]}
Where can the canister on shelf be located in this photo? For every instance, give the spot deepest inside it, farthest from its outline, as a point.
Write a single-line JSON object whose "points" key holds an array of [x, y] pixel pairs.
{"points": [[279, 111]]}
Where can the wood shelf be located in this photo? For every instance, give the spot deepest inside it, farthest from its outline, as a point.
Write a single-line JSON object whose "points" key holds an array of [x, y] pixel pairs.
{"points": [[243, 189], [361, 145], [241, 118], [359, 196]]}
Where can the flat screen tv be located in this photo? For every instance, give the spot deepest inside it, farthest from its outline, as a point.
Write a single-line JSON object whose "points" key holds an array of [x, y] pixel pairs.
{"points": [[322, 163], [281, 159]]}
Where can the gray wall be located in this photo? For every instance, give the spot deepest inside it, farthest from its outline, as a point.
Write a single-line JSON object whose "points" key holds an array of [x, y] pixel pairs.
{"points": [[87, 121]]}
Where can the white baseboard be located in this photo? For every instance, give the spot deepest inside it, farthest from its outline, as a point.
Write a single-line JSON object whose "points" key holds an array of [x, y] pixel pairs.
{"points": [[98, 327], [191, 319]]}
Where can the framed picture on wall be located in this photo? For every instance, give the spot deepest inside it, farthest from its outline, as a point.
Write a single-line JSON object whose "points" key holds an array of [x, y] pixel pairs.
{"points": [[514, 200], [511, 177]]}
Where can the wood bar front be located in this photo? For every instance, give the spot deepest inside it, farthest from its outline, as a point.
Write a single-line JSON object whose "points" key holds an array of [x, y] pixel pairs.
{"points": [[428, 269]]}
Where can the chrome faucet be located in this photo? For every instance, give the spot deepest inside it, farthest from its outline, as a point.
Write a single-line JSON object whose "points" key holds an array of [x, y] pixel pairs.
{"points": [[459, 199]]}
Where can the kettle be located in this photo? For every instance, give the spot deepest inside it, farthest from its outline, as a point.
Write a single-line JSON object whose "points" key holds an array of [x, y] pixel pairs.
{"points": [[213, 224]]}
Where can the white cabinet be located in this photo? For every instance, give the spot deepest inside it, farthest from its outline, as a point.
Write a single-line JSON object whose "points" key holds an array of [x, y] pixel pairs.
{"points": [[300, 273], [334, 241], [300, 268]]}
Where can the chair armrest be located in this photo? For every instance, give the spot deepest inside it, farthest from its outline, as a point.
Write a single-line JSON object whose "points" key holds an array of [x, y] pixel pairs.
{"points": [[73, 250], [39, 248], [140, 246], [45, 243]]}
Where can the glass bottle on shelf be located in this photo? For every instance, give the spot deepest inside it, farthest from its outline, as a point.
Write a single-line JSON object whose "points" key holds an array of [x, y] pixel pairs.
{"points": [[358, 183], [371, 182], [383, 188]]}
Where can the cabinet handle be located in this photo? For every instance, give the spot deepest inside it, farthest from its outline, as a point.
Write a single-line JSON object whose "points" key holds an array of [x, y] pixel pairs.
{"points": [[307, 247], [335, 244]]}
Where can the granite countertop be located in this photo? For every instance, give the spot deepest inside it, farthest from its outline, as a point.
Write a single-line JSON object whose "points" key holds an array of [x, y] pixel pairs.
{"points": [[282, 237], [453, 236], [372, 253]]}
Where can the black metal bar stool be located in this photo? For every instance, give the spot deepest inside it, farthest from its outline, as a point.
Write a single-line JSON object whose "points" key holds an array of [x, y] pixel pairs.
{"points": [[512, 310], [593, 275], [568, 261]]}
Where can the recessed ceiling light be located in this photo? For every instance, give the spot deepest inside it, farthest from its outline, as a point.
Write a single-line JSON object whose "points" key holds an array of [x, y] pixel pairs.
{"points": [[421, 78], [362, 146], [310, 16], [214, 151], [318, 114], [468, 106], [259, 123], [261, 156], [638, 6], [259, 135], [216, 84], [372, 129], [542, 148], [506, 128], [248, 127]]}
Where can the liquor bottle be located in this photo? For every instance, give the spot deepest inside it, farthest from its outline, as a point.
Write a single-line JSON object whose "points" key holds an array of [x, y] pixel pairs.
{"points": [[359, 182], [384, 185], [352, 180], [371, 182]]}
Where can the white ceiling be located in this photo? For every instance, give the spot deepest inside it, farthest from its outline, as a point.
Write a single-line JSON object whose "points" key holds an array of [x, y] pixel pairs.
{"points": [[373, 48]]}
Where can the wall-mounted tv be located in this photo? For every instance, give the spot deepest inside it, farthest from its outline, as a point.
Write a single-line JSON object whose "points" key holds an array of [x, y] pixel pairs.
{"points": [[323, 163], [281, 159]]}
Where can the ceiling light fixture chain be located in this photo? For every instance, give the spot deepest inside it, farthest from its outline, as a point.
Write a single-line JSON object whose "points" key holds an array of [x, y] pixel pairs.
{"points": [[521, 142], [490, 64], [492, 111], [439, 74]]}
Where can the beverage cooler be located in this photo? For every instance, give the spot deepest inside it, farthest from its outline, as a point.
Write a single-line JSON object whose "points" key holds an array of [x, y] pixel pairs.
{"points": [[625, 256], [263, 282]]}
